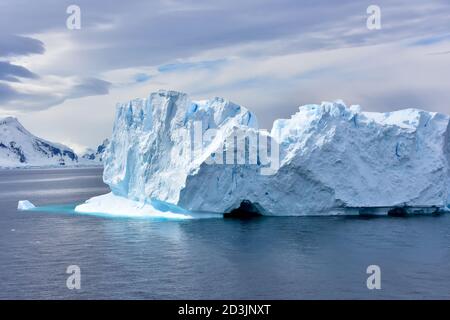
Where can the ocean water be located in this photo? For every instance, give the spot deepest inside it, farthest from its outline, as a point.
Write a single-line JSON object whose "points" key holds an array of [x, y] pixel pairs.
{"points": [[263, 258]]}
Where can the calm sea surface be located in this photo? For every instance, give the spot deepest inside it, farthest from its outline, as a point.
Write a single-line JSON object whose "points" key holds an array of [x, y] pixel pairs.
{"points": [[264, 258]]}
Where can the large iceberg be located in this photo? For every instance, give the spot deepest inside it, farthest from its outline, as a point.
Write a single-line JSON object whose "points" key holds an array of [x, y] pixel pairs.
{"points": [[210, 156]]}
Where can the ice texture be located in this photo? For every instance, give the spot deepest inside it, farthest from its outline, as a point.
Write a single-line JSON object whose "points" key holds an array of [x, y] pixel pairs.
{"points": [[149, 156], [331, 158]]}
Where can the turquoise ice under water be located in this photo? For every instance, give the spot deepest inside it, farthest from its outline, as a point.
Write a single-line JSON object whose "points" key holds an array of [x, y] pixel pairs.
{"points": [[70, 209], [264, 258]]}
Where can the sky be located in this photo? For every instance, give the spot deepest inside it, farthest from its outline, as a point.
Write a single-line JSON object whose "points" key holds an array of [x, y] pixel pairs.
{"points": [[269, 56]]}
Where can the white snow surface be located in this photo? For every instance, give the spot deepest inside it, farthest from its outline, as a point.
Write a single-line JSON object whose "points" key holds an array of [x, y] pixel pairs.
{"points": [[331, 157]]}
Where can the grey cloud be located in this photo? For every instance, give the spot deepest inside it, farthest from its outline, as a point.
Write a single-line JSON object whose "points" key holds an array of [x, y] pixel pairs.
{"points": [[146, 36], [13, 100], [89, 87], [13, 45], [431, 100], [6, 93], [11, 72], [158, 32]]}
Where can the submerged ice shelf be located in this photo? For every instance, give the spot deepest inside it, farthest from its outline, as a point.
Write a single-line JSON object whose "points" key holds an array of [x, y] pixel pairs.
{"points": [[120, 206], [112, 206], [330, 159]]}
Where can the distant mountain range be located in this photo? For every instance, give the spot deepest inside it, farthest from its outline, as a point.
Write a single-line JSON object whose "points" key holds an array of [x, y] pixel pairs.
{"points": [[96, 155], [20, 148]]}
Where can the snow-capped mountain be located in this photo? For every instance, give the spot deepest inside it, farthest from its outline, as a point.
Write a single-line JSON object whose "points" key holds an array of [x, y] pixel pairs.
{"points": [[96, 155], [20, 148]]}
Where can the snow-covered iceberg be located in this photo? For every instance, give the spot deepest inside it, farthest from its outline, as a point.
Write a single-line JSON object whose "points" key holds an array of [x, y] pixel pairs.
{"points": [[325, 159]]}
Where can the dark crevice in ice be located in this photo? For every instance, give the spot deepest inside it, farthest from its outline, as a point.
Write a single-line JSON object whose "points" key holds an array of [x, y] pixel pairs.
{"points": [[245, 210], [397, 212]]}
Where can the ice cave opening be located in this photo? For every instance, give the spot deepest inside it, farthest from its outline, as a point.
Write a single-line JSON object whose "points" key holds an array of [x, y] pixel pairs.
{"points": [[246, 210], [397, 212]]}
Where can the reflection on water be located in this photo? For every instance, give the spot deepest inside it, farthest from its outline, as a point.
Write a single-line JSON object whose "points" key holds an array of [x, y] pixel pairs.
{"points": [[285, 257]]}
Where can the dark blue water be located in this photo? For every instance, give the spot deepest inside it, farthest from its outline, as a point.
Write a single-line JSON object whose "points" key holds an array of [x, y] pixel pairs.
{"points": [[266, 258]]}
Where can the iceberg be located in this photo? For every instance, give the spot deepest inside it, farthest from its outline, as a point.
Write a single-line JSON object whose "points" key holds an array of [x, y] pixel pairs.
{"points": [[24, 205], [210, 156]]}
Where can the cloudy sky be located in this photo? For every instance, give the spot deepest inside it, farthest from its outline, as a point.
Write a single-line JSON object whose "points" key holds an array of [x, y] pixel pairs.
{"points": [[270, 56]]}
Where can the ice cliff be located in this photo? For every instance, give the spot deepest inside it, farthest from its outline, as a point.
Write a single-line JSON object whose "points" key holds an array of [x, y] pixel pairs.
{"points": [[326, 158]]}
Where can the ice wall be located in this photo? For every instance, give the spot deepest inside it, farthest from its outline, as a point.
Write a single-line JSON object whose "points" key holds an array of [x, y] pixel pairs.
{"points": [[330, 157]]}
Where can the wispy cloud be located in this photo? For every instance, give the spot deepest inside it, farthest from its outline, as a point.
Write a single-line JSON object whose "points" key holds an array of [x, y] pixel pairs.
{"points": [[13, 45], [184, 66], [21, 89], [142, 77], [48, 91], [431, 40], [12, 73]]}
